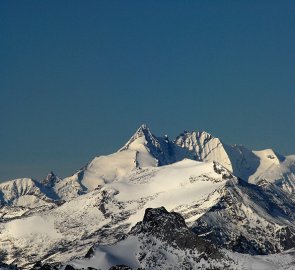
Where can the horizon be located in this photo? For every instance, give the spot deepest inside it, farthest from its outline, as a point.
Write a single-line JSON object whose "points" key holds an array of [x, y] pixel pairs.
{"points": [[77, 79]]}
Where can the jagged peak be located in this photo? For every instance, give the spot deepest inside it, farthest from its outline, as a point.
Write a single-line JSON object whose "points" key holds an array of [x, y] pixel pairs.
{"points": [[156, 219], [143, 127], [171, 228], [142, 132], [159, 149], [203, 133], [51, 174], [50, 179]]}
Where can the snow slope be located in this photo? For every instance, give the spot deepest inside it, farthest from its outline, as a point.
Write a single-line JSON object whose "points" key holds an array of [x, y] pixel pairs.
{"points": [[105, 214]]}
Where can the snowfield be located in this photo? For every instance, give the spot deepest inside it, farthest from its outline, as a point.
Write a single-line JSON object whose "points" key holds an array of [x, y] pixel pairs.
{"points": [[120, 203]]}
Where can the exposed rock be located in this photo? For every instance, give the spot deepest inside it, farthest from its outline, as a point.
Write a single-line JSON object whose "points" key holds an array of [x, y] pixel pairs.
{"points": [[170, 227]]}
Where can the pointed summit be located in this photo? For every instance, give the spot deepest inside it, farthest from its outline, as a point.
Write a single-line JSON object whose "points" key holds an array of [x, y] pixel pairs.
{"points": [[145, 143], [143, 127], [142, 132], [50, 179]]}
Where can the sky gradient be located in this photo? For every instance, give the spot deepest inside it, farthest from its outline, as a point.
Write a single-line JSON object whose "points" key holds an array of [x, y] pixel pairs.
{"points": [[77, 78]]}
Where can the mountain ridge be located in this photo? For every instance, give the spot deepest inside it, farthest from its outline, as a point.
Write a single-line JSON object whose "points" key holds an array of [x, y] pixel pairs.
{"points": [[249, 193], [202, 146]]}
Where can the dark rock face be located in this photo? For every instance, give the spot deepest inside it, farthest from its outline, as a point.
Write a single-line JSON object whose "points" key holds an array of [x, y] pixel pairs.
{"points": [[50, 180], [90, 253], [171, 228], [159, 222], [40, 266], [69, 267], [5, 266], [286, 237]]}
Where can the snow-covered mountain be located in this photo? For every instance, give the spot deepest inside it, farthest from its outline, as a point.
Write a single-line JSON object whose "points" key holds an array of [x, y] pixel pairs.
{"points": [[148, 145], [23, 192], [237, 199], [251, 166]]}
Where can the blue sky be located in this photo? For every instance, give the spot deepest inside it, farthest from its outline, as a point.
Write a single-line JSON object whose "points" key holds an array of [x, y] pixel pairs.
{"points": [[78, 77]]}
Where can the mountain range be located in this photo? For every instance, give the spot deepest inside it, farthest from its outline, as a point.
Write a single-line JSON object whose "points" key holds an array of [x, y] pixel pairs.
{"points": [[153, 203]]}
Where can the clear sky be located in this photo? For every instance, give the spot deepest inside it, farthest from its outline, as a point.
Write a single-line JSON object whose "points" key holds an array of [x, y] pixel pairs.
{"points": [[78, 77]]}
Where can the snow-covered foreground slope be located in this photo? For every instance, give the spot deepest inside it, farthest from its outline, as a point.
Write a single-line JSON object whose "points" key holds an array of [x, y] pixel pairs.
{"points": [[128, 251], [106, 213], [163, 241], [281, 261]]}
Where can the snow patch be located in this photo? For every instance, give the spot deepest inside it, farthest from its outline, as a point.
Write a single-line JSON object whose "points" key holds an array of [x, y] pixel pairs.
{"points": [[31, 226]]}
